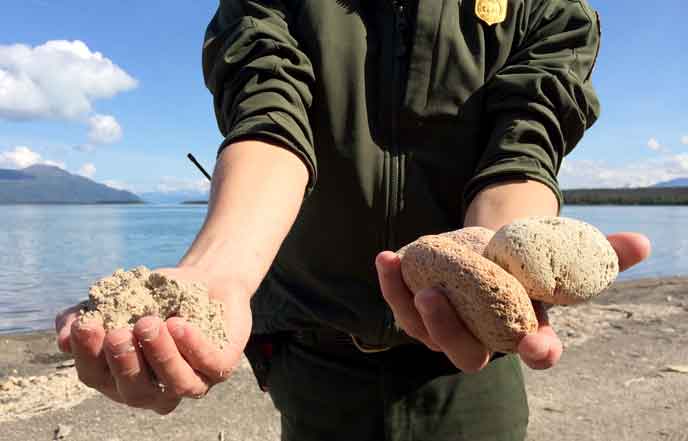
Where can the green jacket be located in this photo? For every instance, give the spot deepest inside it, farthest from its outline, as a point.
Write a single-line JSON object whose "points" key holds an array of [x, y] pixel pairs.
{"points": [[402, 111]]}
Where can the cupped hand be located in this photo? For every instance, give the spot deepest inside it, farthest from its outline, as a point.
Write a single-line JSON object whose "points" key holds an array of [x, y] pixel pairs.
{"points": [[428, 316], [159, 362]]}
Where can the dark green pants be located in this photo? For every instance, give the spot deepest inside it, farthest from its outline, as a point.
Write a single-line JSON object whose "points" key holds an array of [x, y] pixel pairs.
{"points": [[406, 394]]}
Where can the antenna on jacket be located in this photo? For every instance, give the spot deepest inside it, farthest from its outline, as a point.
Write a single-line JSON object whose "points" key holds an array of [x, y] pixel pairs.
{"points": [[199, 166]]}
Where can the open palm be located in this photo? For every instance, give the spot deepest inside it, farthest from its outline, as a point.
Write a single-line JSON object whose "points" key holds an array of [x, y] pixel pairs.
{"points": [[429, 317], [159, 362]]}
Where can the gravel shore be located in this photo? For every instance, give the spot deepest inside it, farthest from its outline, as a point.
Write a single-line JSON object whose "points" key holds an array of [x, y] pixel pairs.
{"points": [[623, 376]]}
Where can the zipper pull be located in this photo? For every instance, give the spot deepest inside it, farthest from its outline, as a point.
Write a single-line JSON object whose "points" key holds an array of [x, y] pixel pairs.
{"points": [[402, 24]]}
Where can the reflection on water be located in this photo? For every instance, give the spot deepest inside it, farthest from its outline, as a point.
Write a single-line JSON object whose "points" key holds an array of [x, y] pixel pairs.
{"points": [[49, 255]]}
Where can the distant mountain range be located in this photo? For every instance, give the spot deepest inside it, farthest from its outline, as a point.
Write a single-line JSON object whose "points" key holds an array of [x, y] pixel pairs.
{"points": [[45, 184]]}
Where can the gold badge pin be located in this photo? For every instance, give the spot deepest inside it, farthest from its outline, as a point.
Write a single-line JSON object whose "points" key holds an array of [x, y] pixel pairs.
{"points": [[491, 11]]}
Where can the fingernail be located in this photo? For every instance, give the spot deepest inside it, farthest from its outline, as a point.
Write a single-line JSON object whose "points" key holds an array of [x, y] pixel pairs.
{"points": [[122, 348], [63, 344], [63, 336], [379, 265], [84, 328], [151, 332], [178, 331]]}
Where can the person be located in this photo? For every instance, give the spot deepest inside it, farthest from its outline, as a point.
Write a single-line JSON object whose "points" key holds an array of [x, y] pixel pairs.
{"points": [[352, 128]]}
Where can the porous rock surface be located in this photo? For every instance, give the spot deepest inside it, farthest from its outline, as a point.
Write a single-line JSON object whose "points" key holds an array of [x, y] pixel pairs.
{"points": [[120, 300], [491, 302], [475, 238], [557, 260]]}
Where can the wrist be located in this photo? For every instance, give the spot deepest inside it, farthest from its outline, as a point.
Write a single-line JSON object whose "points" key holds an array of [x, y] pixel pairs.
{"points": [[502, 203], [218, 277]]}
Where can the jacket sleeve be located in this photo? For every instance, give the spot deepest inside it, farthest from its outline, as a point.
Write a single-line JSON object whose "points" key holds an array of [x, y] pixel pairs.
{"points": [[541, 101], [260, 80]]}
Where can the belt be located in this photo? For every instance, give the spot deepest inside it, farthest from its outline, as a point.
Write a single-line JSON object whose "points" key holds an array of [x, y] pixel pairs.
{"points": [[333, 339]]}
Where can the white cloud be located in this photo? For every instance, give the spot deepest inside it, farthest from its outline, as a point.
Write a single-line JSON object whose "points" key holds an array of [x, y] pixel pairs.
{"points": [[117, 185], [104, 129], [22, 157], [598, 174], [87, 170], [684, 139], [58, 79], [653, 144], [171, 185]]}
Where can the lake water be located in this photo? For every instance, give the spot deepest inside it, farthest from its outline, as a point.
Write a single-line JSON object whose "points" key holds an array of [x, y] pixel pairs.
{"points": [[49, 255]]}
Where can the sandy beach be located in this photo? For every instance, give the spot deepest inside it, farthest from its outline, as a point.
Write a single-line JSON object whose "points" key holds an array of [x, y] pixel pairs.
{"points": [[623, 376]]}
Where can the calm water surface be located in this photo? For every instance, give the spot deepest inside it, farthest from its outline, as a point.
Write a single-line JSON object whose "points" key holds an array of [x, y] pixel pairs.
{"points": [[49, 255]]}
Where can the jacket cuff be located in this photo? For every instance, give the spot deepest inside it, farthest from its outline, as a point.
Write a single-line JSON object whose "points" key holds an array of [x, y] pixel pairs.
{"points": [[517, 168], [280, 129]]}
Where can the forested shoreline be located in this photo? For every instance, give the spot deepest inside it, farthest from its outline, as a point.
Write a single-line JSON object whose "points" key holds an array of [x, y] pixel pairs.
{"points": [[627, 196]]}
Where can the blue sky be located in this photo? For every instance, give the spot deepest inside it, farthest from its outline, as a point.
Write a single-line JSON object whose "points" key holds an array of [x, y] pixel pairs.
{"points": [[139, 104]]}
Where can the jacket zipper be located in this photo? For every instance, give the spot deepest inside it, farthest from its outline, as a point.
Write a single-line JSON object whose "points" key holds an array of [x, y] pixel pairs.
{"points": [[401, 27]]}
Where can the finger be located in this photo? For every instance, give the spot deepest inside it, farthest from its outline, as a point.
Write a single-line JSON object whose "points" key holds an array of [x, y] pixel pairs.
{"points": [[449, 332], [203, 355], [86, 341], [162, 355], [543, 349], [63, 324], [399, 298], [128, 368], [631, 248]]}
